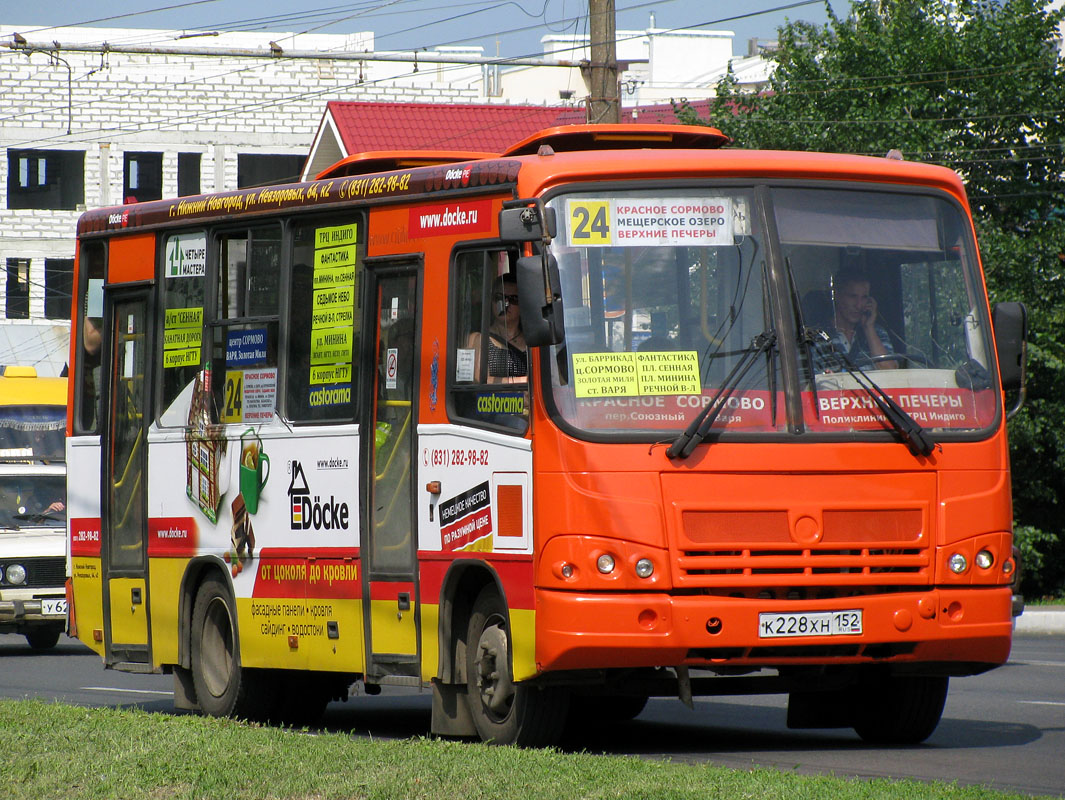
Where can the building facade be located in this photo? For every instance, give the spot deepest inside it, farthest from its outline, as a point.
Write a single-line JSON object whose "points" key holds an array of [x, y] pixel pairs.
{"points": [[87, 125], [88, 129]]}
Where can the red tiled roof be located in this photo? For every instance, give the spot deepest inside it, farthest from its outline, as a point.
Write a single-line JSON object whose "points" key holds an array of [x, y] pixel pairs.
{"points": [[366, 127], [370, 127]]}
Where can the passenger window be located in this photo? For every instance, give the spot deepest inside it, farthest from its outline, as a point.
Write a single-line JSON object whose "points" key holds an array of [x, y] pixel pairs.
{"points": [[490, 362], [324, 315], [184, 305], [244, 332], [90, 337]]}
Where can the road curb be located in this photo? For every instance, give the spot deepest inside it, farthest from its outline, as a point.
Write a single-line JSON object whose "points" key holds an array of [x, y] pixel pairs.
{"points": [[1049, 621]]}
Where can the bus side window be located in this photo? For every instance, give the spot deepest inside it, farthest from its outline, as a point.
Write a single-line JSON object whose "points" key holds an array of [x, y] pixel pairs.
{"points": [[184, 305], [89, 332], [244, 331], [324, 316], [488, 381]]}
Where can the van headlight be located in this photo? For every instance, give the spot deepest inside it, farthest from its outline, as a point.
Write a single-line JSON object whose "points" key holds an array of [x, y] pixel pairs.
{"points": [[15, 574]]}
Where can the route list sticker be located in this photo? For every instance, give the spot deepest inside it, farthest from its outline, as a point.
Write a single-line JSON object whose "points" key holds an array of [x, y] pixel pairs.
{"points": [[182, 334], [642, 222], [333, 314], [599, 375]]}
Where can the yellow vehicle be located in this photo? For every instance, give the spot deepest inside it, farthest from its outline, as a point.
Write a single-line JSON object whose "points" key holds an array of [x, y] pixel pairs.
{"points": [[32, 506]]}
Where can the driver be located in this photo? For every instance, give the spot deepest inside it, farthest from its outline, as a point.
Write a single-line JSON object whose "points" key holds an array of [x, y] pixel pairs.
{"points": [[856, 332]]}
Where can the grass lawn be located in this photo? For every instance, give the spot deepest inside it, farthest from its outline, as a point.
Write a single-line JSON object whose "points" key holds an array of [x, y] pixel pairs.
{"points": [[50, 750]]}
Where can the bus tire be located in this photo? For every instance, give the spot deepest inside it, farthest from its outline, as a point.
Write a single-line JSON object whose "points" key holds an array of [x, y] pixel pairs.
{"points": [[900, 710], [505, 712], [300, 699], [604, 709], [43, 638], [223, 687]]}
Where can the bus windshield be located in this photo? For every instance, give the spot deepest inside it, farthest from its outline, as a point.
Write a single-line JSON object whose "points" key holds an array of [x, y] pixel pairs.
{"points": [[666, 292]]}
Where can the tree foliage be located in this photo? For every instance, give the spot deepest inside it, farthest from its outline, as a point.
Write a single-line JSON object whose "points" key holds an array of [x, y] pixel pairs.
{"points": [[977, 86]]}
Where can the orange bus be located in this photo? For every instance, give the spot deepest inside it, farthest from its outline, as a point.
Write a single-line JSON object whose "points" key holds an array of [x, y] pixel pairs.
{"points": [[616, 413]]}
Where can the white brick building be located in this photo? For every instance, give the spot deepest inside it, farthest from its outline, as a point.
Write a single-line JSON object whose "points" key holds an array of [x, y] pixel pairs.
{"points": [[82, 130]]}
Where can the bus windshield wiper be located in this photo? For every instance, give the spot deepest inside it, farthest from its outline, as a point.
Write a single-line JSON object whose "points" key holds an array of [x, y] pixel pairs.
{"points": [[913, 434], [699, 427]]}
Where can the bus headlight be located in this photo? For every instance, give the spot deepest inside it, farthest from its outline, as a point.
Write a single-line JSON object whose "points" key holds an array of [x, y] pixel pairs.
{"points": [[985, 559], [958, 564], [605, 563], [15, 574], [645, 568]]}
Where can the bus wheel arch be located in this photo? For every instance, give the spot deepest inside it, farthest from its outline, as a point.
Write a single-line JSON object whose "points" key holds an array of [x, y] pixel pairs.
{"points": [[462, 584]]}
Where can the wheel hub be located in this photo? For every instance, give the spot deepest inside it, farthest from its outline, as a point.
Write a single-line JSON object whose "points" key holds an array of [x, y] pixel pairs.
{"points": [[493, 671]]}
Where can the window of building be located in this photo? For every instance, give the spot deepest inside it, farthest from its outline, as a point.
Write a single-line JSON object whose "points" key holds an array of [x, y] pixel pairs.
{"points": [[45, 179], [58, 284], [18, 288], [188, 174], [490, 363], [142, 177], [264, 170], [324, 316]]}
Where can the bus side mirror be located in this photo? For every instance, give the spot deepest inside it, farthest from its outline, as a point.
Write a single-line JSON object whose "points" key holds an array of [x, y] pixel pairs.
{"points": [[540, 300], [527, 223], [1010, 323]]}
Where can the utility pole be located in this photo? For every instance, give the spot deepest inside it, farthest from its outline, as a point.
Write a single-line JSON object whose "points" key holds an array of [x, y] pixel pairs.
{"points": [[604, 107]]}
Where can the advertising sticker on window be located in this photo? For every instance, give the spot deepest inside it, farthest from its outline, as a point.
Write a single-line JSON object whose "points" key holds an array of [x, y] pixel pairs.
{"points": [[186, 256]]}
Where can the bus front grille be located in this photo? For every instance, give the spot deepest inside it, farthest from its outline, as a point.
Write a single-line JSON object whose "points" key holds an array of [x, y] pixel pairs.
{"points": [[832, 548]]}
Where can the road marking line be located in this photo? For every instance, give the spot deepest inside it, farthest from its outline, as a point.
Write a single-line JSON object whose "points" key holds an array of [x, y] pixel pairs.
{"points": [[1041, 702], [116, 689]]}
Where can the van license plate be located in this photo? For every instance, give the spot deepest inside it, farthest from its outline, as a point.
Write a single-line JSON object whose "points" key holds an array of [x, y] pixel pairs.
{"points": [[53, 606], [814, 623]]}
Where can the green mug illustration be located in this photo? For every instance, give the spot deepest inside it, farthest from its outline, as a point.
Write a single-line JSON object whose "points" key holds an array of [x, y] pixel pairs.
{"points": [[253, 473]]}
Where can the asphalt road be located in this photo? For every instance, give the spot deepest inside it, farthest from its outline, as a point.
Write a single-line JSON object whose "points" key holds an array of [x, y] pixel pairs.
{"points": [[1004, 729]]}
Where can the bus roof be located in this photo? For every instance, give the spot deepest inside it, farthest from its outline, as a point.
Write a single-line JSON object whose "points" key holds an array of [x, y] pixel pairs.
{"points": [[389, 160], [550, 157]]}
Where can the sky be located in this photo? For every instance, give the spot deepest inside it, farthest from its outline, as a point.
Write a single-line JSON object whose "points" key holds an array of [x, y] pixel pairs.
{"points": [[507, 27]]}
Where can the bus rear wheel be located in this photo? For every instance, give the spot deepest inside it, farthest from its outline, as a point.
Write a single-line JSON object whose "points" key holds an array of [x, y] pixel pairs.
{"points": [[223, 687], [505, 712], [900, 709]]}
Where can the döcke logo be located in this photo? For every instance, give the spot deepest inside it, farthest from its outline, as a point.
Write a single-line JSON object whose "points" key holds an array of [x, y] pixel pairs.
{"points": [[313, 513]]}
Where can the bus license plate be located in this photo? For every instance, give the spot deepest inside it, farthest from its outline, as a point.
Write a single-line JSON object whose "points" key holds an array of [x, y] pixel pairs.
{"points": [[814, 623], [53, 606]]}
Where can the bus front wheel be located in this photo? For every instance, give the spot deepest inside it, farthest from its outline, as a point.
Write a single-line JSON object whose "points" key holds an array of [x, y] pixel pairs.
{"points": [[901, 709], [223, 687], [505, 712]]}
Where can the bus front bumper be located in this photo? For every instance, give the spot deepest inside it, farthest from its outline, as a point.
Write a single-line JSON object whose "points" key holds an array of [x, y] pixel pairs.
{"points": [[954, 631]]}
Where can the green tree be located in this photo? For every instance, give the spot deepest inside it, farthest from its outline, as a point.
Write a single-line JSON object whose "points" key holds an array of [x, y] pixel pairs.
{"points": [[975, 85]]}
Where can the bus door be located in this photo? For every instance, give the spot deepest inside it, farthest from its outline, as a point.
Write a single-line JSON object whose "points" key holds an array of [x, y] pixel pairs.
{"points": [[389, 416], [124, 472]]}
